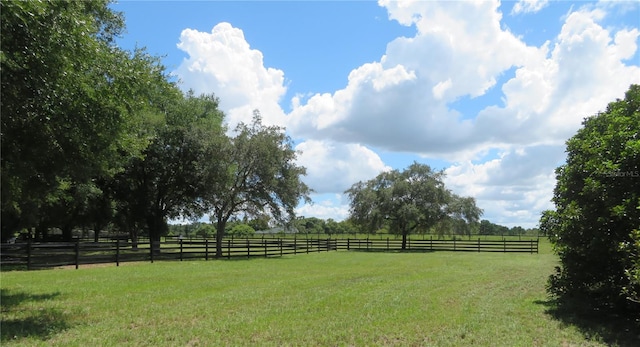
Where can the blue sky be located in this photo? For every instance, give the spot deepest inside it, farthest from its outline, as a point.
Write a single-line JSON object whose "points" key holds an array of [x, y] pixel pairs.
{"points": [[486, 91]]}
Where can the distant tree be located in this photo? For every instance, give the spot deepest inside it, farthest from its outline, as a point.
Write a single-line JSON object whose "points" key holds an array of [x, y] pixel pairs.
{"points": [[313, 225], [259, 222], [205, 230], [407, 201], [255, 173], [486, 227], [348, 227], [462, 217], [517, 231], [597, 200], [332, 227], [242, 230]]}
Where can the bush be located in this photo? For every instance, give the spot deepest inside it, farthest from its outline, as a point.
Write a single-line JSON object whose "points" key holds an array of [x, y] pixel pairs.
{"points": [[597, 199]]}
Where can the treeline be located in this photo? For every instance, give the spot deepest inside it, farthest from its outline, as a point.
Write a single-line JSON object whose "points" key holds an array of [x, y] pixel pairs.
{"points": [[318, 226], [95, 137]]}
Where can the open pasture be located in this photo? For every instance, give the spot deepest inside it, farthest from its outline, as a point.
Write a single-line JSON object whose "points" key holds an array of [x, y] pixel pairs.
{"points": [[321, 299]]}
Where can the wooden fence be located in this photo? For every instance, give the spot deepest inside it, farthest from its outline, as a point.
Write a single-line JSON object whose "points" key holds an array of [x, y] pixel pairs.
{"points": [[504, 245], [35, 255]]}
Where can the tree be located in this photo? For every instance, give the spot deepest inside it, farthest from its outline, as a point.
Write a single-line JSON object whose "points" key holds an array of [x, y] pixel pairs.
{"points": [[242, 230], [462, 216], [259, 222], [408, 201], [310, 225], [255, 174], [172, 177], [597, 200], [70, 107]]}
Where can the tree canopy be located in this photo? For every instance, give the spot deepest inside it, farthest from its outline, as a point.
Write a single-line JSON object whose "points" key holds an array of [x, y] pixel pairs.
{"points": [[71, 103], [255, 174], [409, 201], [95, 135], [597, 199], [171, 178]]}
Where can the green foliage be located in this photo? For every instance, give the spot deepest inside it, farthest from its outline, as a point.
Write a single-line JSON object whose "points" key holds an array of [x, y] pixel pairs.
{"points": [[254, 173], [241, 230], [310, 225], [172, 177], [71, 104], [597, 199], [414, 200], [487, 228], [205, 230], [259, 222], [632, 271]]}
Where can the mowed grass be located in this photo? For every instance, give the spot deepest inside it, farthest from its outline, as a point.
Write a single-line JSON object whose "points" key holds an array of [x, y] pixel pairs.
{"points": [[322, 299]]}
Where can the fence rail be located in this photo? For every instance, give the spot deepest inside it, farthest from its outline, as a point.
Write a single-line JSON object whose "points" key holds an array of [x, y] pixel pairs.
{"points": [[504, 246], [36, 255]]}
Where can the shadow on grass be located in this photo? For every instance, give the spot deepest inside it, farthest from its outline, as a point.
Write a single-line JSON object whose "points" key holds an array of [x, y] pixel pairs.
{"points": [[382, 250], [12, 267], [612, 328], [20, 322]]}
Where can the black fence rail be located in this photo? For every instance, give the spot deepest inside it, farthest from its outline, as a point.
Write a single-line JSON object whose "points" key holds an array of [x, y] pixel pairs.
{"points": [[479, 245], [34, 255]]}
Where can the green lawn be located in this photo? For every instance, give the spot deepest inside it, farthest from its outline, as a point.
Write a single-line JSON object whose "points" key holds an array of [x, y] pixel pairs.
{"points": [[322, 299]]}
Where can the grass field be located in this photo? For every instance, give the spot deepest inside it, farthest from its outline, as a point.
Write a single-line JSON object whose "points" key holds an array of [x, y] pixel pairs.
{"points": [[322, 299]]}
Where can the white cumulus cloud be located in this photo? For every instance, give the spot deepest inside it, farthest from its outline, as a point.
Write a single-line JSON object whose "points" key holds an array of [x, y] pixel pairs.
{"points": [[406, 101], [222, 62], [529, 6], [334, 167]]}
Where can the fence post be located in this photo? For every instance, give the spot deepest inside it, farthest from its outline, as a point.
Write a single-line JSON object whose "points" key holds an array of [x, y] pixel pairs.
{"points": [[264, 244], [117, 252], [248, 249], [29, 253], [387, 244], [431, 243], [280, 242], [295, 244], [229, 248], [151, 249], [206, 249], [180, 249], [504, 245], [77, 249], [454, 243], [348, 244], [531, 246], [478, 245]]}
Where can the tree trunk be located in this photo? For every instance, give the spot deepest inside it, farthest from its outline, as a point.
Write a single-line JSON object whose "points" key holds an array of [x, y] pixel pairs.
{"points": [[41, 233], [157, 227], [404, 239], [67, 235], [133, 234], [220, 225], [97, 227]]}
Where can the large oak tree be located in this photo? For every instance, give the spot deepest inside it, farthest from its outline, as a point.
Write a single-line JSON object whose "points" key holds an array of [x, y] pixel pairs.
{"points": [[171, 179], [254, 173], [409, 201]]}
